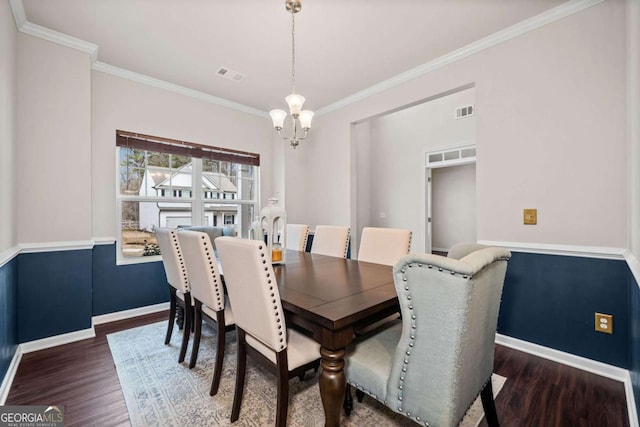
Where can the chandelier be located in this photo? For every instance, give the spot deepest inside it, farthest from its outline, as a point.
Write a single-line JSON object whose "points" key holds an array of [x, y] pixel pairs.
{"points": [[300, 119]]}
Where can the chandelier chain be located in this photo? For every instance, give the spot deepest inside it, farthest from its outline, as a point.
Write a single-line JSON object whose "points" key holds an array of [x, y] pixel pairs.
{"points": [[293, 52]]}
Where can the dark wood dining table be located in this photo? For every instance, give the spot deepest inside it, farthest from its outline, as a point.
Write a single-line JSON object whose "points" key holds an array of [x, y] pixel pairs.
{"points": [[332, 297]]}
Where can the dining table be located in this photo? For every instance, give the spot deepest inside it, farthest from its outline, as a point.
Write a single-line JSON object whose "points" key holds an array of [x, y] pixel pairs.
{"points": [[331, 298]]}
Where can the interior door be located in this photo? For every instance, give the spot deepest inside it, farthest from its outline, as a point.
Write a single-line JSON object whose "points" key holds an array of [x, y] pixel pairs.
{"points": [[428, 201]]}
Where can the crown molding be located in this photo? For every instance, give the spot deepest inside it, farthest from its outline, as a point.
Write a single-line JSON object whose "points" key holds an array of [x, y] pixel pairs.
{"points": [[552, 15], [601, 252], [171, 87], [26, 27], [17, 7]]}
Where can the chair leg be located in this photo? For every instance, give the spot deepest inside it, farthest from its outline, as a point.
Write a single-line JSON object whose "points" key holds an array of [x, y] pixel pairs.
{"points": [[359, 395], [186, 331], [180, 317], [172, 314], [489, 405], [240, 371], [282, 404], [347, 405], [196, 336], [220, 341]]}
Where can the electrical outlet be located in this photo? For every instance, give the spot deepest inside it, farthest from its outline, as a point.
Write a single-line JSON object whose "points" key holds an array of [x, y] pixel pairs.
{"points": [[604, 323]]}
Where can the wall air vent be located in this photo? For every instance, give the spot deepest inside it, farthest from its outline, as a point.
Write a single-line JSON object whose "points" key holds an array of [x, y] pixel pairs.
{"points": [[466, 111], [230, 74]]}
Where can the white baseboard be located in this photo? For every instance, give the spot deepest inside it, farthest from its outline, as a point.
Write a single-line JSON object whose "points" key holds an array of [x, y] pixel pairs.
{"points": [[593, 366], [57, 340], [632, 410], [127, 314], [10, 375]]}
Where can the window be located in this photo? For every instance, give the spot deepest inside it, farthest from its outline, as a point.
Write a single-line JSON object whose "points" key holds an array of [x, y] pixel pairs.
{"points": [[166, 183]]}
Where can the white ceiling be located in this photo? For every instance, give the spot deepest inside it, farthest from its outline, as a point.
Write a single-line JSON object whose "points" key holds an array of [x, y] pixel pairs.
{"points": [[343, 47]]}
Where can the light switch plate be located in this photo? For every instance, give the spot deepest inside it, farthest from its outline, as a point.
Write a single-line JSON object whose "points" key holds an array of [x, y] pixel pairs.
{"points": [[530, 216]]}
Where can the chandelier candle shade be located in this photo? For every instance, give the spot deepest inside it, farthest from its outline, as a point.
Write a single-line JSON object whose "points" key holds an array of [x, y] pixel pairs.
{"points": [[300, 119]]}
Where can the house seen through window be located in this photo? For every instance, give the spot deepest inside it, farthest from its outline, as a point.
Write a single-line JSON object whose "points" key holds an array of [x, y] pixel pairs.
{"points": [[163, 183]]}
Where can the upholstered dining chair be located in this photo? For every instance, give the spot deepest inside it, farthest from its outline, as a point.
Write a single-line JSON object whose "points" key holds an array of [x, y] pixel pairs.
{"points": [[433, 365], [179, 292], [207, 292], [331, 240], [297, 235], [260, 322], [384, 245]]}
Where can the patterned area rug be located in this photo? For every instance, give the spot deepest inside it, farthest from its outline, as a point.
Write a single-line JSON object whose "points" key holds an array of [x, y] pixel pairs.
{"points": [[160, 392]]}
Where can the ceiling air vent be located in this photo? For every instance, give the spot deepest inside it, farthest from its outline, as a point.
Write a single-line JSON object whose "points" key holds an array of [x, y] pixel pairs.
{"points": [[466, 111], [230, 74]]}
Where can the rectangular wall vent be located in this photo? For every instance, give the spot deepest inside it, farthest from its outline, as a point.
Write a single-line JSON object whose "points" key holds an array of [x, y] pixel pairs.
{"points": [[230, 74], [466, 111]]}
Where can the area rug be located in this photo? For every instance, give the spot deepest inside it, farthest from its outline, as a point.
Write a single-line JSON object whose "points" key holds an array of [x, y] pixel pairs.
{"points": [[161, 392]]}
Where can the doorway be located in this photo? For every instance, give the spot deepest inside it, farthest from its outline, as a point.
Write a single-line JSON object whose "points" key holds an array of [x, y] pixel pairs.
{"points": [[450, 198]]}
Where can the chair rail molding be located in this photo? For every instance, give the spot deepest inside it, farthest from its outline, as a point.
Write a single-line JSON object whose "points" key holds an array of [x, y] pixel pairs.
{"points": [[634, 264], [27, 248], [103, 240], [602, 252], [8, 255]]}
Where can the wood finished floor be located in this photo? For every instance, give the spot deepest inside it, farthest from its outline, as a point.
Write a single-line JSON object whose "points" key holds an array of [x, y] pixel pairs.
{"points": [[82, 377]]}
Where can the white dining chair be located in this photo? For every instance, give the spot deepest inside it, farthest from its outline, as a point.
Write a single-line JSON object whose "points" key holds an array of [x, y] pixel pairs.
{"points": [[179, 292], [384, 245], [330, 240], [260, 324], [207, 292], [297, 235]]}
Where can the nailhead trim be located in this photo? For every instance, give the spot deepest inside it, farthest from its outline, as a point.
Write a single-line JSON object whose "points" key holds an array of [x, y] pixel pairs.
{"points": [[185, 279], [208, 251], [274, 302]]}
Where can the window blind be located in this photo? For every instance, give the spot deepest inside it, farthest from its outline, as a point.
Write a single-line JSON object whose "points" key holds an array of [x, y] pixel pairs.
{"points": [[182, 148]]}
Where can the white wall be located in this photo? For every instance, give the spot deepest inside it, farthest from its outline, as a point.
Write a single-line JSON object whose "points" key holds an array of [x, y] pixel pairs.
{"points": [[633, 115], [7, 126], [53, 148], [454, 206], [398, 142], [126, 105], [551, 133]]}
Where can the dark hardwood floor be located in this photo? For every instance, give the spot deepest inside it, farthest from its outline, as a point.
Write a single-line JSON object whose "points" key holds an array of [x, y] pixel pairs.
{"points": [[82, 377]]}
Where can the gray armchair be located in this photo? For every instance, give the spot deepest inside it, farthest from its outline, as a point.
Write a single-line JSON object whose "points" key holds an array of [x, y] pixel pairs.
{"points": [[432, 367]]}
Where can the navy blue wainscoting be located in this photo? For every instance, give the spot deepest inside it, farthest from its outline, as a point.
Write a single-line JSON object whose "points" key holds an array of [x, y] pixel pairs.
{"points": [[54, 296], [8, 314], [634, 340], [551, 300], [123, 287]]}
